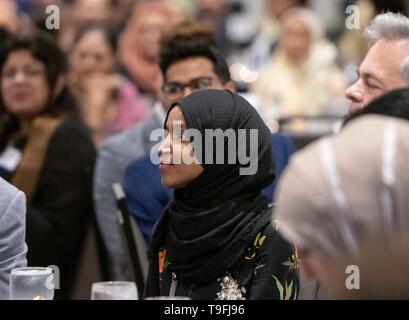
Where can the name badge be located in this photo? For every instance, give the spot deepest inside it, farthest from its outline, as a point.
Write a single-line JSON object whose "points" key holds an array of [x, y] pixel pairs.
{"points": [[10, 158]]}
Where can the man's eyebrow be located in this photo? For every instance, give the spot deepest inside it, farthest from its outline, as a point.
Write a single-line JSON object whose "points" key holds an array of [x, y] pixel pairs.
{"points": [[190, 80]]}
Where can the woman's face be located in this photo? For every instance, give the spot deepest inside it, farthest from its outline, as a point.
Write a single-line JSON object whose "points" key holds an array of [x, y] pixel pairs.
{"points": [[24, 87], [150, 29], [87, 11], [297, 39], [177, 160], [92, 54]]}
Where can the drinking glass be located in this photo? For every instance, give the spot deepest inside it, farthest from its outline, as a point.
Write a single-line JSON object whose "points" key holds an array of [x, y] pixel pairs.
{"points": [[32, 283], [114, 290]]}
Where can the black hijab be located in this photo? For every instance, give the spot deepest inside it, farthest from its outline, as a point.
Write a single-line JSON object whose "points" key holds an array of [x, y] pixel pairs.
{"points": [[211, 221]]}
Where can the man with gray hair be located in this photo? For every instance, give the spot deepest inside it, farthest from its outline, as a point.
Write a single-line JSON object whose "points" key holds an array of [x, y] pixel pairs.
{"points": [[386, 65]]}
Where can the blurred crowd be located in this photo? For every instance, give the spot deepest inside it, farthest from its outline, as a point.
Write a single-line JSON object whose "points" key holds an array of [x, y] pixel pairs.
{"points": [[304, 44], [78, 104]]}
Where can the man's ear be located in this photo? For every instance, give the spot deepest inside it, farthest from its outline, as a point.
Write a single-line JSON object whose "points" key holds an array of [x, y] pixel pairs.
{"points": [[61, 81], [230, 85], [306, 268], [312, 265]]}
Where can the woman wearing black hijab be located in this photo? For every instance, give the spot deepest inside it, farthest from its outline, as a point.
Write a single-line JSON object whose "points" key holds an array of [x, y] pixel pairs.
{"points": [[214, 241]]}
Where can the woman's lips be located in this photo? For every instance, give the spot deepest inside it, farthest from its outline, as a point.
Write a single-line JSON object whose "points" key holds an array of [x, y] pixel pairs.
{"points": [[165, 166], [21, 95]]}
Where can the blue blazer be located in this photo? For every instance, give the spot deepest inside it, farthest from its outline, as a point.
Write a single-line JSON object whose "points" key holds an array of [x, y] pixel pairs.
{"points": [[283, 147]]}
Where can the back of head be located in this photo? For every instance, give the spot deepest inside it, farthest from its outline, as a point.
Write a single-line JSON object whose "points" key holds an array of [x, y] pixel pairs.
{"points": [[347, 189], [190, 39]]}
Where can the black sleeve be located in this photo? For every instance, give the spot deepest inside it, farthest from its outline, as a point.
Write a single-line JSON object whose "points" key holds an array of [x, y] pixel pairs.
{"points": [[62, 203], [276, 274], [152, 279]]}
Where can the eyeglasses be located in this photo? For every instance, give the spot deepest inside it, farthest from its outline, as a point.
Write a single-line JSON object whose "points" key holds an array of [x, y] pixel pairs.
{"points": [[175, 89]]}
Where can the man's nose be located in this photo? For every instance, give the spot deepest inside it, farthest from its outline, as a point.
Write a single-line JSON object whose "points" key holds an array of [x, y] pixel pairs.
{"points": [[354, 93]]}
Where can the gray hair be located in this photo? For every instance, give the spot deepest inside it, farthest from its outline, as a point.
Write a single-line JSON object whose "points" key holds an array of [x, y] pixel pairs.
{"points": [[390, 26]]}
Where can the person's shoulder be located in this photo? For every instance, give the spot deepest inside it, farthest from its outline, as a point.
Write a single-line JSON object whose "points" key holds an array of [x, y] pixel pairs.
{"points": [[144, 172], [270, 230], [72, 142], [123, 140], [7, 191], [8, 195], [72, 127], [141, 163], [270, 233]]}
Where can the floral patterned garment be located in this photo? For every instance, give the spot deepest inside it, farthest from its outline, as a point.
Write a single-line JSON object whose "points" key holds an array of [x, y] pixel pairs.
{"points": [[268, 271]]}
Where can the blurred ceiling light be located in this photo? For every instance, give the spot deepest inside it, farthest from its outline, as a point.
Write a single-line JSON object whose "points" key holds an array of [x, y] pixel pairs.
{"points": [[240, 72]]}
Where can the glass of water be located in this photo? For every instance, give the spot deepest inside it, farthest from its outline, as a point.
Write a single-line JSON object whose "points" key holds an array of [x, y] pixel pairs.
{"points": [[32, 283], [114, 290]]}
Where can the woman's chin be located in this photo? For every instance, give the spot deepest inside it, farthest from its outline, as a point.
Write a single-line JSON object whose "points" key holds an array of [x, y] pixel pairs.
{"points": [[168, 182]]}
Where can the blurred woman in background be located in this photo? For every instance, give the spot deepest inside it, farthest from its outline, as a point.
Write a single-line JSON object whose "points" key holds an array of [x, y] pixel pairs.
{"points": [[108, 101], [45, 152], [302, 77], [139, 43], [8, 15]]}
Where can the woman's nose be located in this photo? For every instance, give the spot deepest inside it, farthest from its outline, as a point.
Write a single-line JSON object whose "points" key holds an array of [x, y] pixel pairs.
{"points": [[164, 148], [20, 77]]}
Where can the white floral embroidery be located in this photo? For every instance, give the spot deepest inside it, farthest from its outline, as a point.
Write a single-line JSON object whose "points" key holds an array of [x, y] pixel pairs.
{"points": [[230, 289]]}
